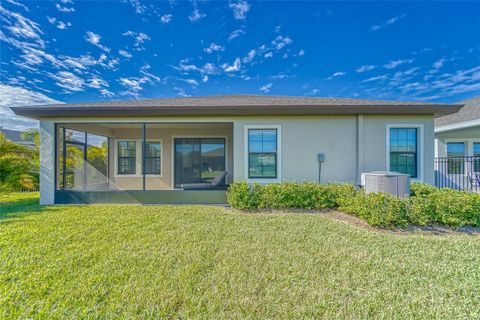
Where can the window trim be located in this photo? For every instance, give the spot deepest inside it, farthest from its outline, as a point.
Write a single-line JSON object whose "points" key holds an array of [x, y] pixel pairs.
{"points": [[117, 158], [420, 146], [246, 157], [139, 161], [159, 175]]}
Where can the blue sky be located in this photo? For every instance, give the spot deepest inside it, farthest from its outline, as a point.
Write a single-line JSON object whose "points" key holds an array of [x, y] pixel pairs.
{"points": [[73, 51]]}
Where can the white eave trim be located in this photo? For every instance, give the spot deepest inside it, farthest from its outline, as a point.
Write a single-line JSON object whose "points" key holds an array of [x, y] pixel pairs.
{"points": [[456, 126]]}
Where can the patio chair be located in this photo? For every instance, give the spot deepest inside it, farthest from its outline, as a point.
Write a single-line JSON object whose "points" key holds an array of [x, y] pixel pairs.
{"points": [[215, 183]]}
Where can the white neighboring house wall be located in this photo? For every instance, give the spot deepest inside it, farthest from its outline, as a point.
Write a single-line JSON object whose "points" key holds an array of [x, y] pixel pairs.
{"points": [[468, 135], [351, 144]]}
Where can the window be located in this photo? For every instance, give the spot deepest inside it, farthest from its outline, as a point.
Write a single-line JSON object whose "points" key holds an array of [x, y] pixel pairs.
{"points": [[403, 151], [127, 157], [262, 153], [476, 154], [153, 151], [455, 154]]}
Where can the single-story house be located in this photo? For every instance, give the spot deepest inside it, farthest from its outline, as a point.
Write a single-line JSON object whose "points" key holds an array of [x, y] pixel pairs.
{"points": [[186, 150], [457, 147]]}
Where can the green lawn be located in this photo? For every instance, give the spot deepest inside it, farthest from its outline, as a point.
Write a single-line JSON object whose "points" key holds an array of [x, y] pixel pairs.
{"points": [[210, 262]]}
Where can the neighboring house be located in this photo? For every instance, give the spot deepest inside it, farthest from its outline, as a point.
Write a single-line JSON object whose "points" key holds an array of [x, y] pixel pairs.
{"points": [[16, 136], [458, 134], [150, 151], [457, 147]]}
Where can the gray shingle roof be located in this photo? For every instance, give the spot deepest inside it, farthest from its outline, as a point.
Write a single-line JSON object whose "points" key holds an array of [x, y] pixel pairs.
{"points": [[236, 105], [471, 111], [246, 100]]}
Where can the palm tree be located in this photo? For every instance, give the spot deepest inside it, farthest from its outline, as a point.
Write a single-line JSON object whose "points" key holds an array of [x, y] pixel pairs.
{"points": [[18, 166]]}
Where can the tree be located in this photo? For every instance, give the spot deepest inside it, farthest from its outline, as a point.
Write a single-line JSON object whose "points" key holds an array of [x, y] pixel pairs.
{"points": [[18, 165]]}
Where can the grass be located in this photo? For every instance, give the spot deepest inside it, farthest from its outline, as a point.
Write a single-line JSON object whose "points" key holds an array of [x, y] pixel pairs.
{"points": [[210, 262]]}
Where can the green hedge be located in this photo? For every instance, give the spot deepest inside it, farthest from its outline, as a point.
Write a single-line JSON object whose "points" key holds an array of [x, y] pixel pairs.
{"points": [[427, 205], [287, 195]]}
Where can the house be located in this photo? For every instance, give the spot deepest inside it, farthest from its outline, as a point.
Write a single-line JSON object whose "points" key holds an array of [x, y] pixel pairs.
{"points": [[16, 136], [457, 148], [458, 134], [149, 151]]}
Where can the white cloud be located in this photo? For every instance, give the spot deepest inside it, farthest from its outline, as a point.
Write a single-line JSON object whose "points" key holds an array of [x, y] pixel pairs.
{"points": [[376, 78], [64, 9], [235, 34], [301, 53], [181, 92], [137, 5], [364, 68], [439, 63], [337, 74], [18, 4], [240, 9], [134, 84], [395, 63], [166, 18], [59, 24], [145, 71], [214, 47], [68, 81], [250, 56], [14, 96], [94, 39], [21, 27], [232, 68], [106, 93], [196, 15], [281, 41], [125, 53], [266, 88], [390, 21], [139, 37], [205, 78], [268, 55], [191, 82]]}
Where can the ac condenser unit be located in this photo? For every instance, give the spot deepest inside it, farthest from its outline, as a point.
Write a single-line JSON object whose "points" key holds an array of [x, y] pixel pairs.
{"points": [[394, 183]]}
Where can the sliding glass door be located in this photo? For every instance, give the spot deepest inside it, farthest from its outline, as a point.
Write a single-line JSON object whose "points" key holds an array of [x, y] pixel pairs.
{"points": [[198, 159]]}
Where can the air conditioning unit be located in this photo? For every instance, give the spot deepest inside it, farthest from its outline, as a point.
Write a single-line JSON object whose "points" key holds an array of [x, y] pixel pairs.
{"points": [[394, 183]]}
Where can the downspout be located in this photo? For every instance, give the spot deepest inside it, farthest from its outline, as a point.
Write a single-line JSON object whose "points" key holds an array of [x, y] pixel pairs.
{"points": [[359, 144]]}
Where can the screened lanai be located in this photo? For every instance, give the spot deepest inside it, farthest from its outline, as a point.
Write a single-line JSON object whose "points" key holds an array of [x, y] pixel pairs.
{"points": [[143, 156]]}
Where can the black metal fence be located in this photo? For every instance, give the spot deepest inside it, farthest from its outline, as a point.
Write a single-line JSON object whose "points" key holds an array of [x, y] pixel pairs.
{"points": [[459, 173]]}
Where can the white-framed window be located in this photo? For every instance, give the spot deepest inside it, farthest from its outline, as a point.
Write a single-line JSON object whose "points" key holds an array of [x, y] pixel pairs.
{"points": [[405, 150], [153, 157], [126, 157], [130, 160], [262, 153]]}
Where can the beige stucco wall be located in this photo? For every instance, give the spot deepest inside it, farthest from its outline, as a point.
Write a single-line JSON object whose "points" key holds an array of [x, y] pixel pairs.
{"points": [[302, 138]]}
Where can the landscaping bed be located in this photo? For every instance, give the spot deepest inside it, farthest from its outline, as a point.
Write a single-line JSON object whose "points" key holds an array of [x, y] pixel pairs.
{"points": [[427, 205]]}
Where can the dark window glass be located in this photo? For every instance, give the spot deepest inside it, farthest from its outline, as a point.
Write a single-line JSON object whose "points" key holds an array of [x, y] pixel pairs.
{"points": [[455, 154], [198, 159], [127, 157], [476, 154], [403, 151], [153, 151], [262, 153]]}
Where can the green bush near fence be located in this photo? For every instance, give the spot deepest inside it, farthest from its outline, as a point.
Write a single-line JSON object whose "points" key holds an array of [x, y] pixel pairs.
{"points": [[427, 204]]}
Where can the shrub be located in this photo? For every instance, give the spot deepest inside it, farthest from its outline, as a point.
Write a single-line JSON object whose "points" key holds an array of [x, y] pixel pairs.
{"points": [[378, 209], [241, 195], [287, 195], [427, 204], [421, 189]]}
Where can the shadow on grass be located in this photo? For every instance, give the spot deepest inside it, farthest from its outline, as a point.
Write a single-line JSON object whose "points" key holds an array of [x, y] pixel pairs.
{"points": [[20, 208]]}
